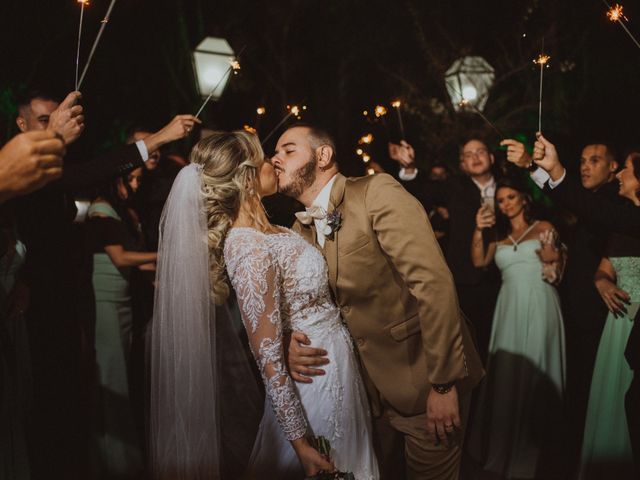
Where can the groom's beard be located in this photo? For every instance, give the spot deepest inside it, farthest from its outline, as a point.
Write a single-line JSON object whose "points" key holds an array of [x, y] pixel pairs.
{"points": [[301, 179]]}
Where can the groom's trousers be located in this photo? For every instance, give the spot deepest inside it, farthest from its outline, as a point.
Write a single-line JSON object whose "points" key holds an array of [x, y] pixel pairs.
{"points": [[405, 451]]}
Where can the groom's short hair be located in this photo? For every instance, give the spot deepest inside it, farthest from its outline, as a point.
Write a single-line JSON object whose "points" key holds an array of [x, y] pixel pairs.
{"points": [[318, 137]]}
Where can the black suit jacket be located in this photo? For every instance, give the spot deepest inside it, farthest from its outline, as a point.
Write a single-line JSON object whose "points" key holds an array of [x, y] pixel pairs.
{"points": [[614, 217], [583, 306], [461, 197]]}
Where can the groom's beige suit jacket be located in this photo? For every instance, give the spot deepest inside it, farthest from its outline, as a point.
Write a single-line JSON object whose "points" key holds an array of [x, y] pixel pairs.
{"points": [[396, 294]]}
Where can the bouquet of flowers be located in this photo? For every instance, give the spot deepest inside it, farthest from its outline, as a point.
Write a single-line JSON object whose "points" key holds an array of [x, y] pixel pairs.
{"points": [[323, 446]]}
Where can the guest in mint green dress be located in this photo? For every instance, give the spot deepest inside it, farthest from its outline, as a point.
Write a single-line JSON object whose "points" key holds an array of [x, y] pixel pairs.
{"points": [[606, 448], [114, 241], [518, 419]]}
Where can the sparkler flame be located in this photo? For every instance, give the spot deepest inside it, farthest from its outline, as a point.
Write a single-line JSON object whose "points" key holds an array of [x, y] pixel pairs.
{"points": [[396, 104], [235, 65], [366, 158], [371, 171], [380, 111], [365, 113], [366, 139], [359, 151], [615, 13], [85, 2], [250, 129], [542, 59], [261, 110]]}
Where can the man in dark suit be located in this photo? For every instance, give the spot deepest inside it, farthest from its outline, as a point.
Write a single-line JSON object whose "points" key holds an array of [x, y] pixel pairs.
{"points": [[59, 344], [607, 215], [462, 196]]}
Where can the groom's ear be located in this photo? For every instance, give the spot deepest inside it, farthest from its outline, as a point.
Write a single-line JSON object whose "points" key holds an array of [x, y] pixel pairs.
{"points": [[324, 154]]}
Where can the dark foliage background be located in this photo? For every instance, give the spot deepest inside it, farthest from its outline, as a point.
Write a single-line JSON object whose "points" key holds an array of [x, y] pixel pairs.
{"points": [[339, 57]]}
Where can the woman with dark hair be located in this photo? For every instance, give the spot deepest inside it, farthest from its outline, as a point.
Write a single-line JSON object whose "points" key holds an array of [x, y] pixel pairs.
{"points": [[115, 241], [606, 447], [521, 401]]}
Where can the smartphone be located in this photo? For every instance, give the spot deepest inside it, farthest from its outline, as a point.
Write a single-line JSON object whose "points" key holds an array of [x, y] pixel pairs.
{"points": [[489, 202]]}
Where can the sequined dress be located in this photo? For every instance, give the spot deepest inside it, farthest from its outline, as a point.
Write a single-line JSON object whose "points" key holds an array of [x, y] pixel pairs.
{"points": [[281, 283]]}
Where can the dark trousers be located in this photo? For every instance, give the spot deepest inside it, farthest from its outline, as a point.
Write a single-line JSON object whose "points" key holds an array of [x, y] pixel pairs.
{"points": [[581, 350], [478, 303]]}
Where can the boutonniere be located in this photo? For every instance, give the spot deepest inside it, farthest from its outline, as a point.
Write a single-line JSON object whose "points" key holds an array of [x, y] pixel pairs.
{"points": [[334, 222]]}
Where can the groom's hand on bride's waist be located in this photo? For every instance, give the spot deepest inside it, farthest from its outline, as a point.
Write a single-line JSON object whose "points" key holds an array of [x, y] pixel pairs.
{"points": [[302, 358]]}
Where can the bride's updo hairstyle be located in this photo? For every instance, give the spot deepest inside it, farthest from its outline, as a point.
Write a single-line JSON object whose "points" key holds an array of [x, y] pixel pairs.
{"points": [[231, 164]]}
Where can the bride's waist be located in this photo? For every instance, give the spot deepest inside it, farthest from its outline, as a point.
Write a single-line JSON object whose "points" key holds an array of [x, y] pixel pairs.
{"points": [[316, 320]]}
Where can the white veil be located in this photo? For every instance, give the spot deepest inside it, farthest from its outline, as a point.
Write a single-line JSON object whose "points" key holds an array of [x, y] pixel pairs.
{"points": [[184, 419], [206, 401]]}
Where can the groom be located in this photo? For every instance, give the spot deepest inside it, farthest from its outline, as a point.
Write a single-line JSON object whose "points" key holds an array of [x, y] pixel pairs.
{"points": [[397, 297]]}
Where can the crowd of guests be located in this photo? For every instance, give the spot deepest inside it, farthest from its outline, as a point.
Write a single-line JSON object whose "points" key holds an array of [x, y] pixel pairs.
{"points": [[553, 312], [552, 290]]}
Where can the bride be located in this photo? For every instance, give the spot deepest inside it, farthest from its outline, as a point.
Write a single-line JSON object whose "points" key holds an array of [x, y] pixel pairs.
{"points": [[215, 230]]}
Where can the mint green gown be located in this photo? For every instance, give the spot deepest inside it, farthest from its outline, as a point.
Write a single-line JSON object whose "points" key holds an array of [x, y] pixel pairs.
{"points": [[606, 447], [118, 452], [516, 428]]}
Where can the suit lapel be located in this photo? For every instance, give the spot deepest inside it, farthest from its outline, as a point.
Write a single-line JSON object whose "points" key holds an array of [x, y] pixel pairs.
{"points": [[331, 244]]}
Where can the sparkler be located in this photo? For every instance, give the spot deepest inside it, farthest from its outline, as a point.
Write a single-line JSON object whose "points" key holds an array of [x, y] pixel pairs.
{"points": [[294, 110], [615, 14], [397, 104], [83, 4], [105, 20], [250, 129], [542, 61], [464, 103], [234, 66]]}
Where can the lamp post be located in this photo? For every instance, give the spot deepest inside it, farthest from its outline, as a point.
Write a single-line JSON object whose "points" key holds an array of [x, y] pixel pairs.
{"points": [[211, 60], [468, 82]]}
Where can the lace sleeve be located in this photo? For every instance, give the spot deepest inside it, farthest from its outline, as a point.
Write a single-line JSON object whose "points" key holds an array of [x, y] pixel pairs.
{"points": [[255, 278]]}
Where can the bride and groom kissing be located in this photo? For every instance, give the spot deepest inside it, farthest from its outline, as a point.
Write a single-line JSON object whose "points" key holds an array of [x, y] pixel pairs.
{"points": [[358, 285]]}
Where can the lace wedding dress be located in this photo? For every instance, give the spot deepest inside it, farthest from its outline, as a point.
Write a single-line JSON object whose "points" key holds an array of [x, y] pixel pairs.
{"points": [[281, 283]]}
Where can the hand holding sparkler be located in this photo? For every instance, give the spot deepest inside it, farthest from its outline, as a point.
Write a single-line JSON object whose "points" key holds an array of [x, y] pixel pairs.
{"points": [[517, 153], [178, 128], [546, 157], [68, 120], [403, 153]]}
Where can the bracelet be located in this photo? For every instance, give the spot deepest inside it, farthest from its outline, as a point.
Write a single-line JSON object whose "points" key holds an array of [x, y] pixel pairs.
{"points": [[443, 388]]}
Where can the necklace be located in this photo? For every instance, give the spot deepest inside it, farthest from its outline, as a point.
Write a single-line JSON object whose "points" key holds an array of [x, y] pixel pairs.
{"points": [[516, 242]]}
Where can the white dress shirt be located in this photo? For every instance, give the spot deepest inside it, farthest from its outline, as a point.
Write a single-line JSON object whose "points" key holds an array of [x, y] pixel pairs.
{"points": [[142, 148], [322, 200], [540, 177], [488, 190]]}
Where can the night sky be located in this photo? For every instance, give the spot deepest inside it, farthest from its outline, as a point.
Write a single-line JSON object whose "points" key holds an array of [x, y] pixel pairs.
{"points": [[339, 57]]}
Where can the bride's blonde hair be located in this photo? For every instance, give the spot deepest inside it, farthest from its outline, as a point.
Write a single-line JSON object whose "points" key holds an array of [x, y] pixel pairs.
{"points": [[231, 164]]}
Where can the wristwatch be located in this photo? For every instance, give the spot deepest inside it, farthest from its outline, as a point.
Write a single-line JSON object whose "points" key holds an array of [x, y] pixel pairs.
{"points": [[443, 388]]}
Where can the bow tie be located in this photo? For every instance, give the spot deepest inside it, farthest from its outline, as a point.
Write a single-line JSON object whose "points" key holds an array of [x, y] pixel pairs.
{"points": [[310, 214]]}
